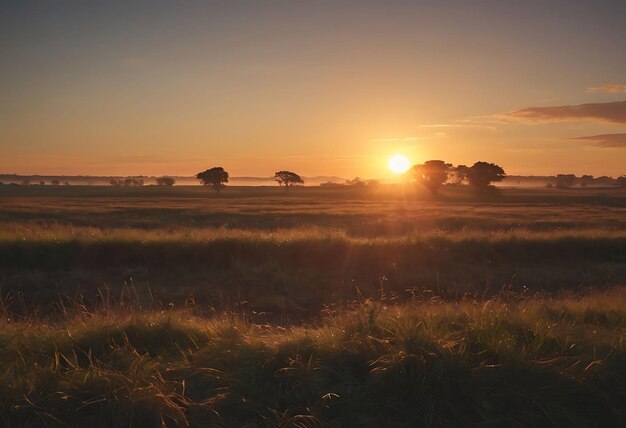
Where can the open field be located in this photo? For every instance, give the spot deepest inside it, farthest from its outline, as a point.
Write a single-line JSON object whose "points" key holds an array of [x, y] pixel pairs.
{"points": [[295, 251], [382, 306]]}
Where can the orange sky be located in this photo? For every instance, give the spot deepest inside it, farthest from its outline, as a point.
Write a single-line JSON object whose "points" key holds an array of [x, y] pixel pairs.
{"points": [[321, 88]]}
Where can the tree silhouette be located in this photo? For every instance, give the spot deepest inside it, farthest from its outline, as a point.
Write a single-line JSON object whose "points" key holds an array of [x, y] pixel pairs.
{"points": [[355, 182], [564, 181], [432, 174], [482, 174], [214, 177], [586, 180], [128, 182], [165, 181], [604, 181], [287, 178], [459, 174]]}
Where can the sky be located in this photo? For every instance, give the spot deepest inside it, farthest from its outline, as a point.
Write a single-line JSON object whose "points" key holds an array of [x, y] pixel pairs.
{"points": [[155, 87]]}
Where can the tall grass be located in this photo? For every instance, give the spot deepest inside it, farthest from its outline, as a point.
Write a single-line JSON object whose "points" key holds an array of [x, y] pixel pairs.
{"points": [[507, 361], [57, 233], [300, 268]]}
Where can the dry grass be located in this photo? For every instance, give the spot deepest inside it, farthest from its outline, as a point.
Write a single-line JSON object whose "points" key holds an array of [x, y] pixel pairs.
{"points": [[295, 252], [321, 307], [24, 232], [506, 361]]}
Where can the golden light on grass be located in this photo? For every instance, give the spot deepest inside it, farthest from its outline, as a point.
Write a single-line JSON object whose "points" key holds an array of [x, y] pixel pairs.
{"points": [[398, 164]]}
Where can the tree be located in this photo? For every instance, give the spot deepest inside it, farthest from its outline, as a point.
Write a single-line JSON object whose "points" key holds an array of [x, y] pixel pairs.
{"points": [[459, 174], [355, 182], [165, 181], [482, 174], [621, 181], [604, 181], [55, 182], [287, 178], [586, 180], [564, 181], [133, 182], [432, 174], [214, 177]]}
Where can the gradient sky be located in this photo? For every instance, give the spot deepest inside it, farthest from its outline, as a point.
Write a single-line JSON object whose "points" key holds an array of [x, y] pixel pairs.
{"points": [[319, 87]]}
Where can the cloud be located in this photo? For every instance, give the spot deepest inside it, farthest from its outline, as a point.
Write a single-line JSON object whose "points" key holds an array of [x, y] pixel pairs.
{"points": [[612, 89], [609, 141], [459, 124], [613, 112]]}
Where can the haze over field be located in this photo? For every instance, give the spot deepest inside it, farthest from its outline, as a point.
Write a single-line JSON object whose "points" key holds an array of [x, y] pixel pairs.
{"points": [[322, 88]]}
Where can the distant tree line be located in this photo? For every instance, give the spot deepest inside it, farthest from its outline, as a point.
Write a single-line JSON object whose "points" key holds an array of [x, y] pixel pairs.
{"points": [[432, 174], [357, 182], [26, 182], [165, 181], [565, 181], [139, 182], [127, 182]]}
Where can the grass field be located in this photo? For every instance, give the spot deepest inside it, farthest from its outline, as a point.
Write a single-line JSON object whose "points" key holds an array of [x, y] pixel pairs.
{"points": [[382, 306]]}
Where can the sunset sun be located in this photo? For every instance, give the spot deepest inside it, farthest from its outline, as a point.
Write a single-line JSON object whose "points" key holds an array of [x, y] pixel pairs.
{"points": [[399, 164]]}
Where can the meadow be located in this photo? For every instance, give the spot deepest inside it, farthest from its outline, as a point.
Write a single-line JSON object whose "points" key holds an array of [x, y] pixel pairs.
{"points": [[372, 306]]}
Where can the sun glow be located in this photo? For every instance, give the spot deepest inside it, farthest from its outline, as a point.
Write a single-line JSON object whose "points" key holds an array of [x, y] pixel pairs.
{"points": [[399, 164]]}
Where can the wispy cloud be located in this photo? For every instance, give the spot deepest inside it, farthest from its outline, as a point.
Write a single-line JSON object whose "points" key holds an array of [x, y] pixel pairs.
{"points": [[459, 124], [612, 112], [610, 141], [614, 88]]}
